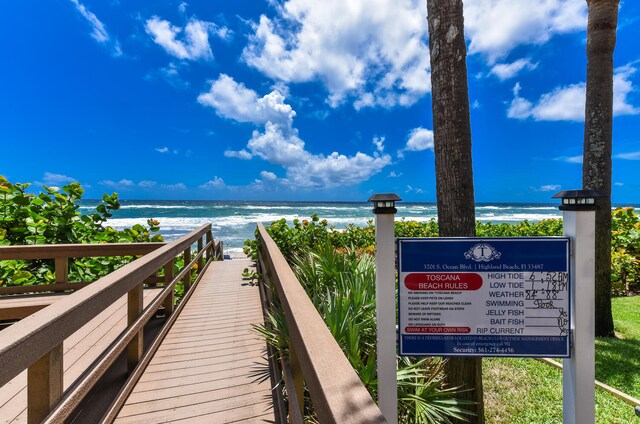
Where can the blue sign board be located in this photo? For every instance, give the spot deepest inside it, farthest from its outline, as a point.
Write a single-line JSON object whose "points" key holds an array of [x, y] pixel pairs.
{"points": [[484, 296]]}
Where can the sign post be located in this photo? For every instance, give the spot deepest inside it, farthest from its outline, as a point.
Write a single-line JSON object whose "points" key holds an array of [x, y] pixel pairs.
{"points": [[578, 372], [384, 209]]}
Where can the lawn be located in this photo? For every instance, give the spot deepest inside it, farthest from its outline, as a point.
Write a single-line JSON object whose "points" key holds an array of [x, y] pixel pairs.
{"points": [[529, 391]]}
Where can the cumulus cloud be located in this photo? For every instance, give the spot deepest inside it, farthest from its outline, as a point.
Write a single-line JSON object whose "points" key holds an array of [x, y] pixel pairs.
{"points": [[162, 149], [235, 101], [419, 139], [98, 29], [567, 103], [496, 27], [123, 183], [378, 142], [194, 43], [278, 143], [51, 179], [505, 71], [216, 183], [373, 51]]}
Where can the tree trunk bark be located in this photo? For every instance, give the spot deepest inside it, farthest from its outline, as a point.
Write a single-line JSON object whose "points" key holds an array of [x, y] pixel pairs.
{"points": [[596, 169], [452, 147]]}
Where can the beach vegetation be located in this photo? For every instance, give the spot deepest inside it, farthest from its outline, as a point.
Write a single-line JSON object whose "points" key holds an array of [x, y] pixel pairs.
{"points": [[52, 216]]}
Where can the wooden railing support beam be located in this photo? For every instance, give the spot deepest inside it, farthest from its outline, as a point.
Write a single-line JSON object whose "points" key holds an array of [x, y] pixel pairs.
{"points": [[134, 310], [44, 385], [201, 260], [62, 270], [187, 278], [168, 278], [298, 384]]}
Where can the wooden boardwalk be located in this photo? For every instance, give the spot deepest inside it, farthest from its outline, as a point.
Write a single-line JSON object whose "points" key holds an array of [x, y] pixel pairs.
{"points": [[211, 367], [80, 350]]}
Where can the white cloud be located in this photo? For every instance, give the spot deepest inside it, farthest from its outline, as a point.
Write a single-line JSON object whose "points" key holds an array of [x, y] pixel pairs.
{"points": [[567, 103], [505, 71], [123, 183], [570, 159], [548, 187], [216, 183], [162, 149], [496, 27], [393, 174], [373, 51], [279, 143], [51, 179], [98, 29], [240, 154], [628, 156], [147, 184], [269, 176], [195, 41], [618, 184], [378, 143], [174, 187], [234, 101], [182, 7], [419, 139], [411, 189]]}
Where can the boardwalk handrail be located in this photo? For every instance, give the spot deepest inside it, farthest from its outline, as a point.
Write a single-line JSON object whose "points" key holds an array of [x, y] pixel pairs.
{"points": [[35, 343], [337, 394], [61, 253]]}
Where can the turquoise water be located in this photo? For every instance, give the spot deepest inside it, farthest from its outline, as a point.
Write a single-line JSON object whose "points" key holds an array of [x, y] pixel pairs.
{"points": [[235, 221]]}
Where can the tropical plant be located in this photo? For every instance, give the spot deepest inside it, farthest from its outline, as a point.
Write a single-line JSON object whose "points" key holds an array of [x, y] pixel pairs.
{"points": [[341, 285], [51, 217]]}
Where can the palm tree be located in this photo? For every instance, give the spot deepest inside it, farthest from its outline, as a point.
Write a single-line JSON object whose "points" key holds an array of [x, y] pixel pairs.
{"points": [[452, 147], [596, 169]]}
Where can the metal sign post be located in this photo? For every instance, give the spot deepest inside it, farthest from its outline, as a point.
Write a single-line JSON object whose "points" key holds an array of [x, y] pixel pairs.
{"points": [[384, 209], [578, 371]]}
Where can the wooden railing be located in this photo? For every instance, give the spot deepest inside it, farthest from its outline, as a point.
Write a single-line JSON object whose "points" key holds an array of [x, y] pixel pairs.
{"points": [[35, 343], [316, 360], [61, 253]]}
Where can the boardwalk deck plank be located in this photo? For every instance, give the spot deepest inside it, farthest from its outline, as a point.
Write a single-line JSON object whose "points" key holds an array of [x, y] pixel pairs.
{"points": [[208, 366], [80, 350]]}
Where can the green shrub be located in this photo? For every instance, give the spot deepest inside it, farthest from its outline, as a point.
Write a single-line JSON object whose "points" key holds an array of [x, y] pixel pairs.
{"points": [[52, 217]]}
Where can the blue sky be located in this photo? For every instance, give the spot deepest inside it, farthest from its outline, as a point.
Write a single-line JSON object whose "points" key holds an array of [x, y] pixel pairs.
{"points": [[299, 99]]}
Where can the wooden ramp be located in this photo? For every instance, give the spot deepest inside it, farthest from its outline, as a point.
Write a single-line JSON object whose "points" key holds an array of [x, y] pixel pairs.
{"points": [[80, 350], [211, 367]]}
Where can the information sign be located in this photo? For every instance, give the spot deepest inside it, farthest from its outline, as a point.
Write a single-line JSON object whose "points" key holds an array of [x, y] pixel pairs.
{"points": [[484, 296]]}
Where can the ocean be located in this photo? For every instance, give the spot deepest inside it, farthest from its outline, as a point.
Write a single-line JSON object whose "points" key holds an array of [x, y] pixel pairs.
{"points": [[235, 221]]}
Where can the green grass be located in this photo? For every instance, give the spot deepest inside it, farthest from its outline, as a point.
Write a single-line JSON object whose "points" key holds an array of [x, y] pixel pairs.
{"points": [[529, 391]]}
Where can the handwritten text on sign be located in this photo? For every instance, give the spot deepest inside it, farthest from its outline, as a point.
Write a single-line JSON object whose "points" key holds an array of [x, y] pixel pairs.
{"points": [[484, 297]]}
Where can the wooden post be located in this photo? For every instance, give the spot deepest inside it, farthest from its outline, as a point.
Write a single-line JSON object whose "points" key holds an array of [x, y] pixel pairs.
{"points": [[134, 308], [44, 385], [298, 382], [168, 278], [201, 260], [210, 254], [187, 278], [62, 270]]}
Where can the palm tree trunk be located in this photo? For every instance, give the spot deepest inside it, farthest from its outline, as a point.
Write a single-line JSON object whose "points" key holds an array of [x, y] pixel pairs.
{"points": [[596, 170], [452, 147]]}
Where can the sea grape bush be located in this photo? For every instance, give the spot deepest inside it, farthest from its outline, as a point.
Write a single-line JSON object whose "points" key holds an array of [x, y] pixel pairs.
{"points": [[310, 235], [52, 217]]}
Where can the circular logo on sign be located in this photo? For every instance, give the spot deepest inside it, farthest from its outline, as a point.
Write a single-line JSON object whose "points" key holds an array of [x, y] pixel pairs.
{"points": [[482, 252]]}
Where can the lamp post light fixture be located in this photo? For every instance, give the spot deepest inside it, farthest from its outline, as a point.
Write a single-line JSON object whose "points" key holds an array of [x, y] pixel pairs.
{"points": [[384, 208], [384, 203], [578, 200]]}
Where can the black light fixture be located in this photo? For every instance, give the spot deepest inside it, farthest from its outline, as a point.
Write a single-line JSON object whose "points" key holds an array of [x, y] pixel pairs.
{"points": [[578, 200], [384, 203]]}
